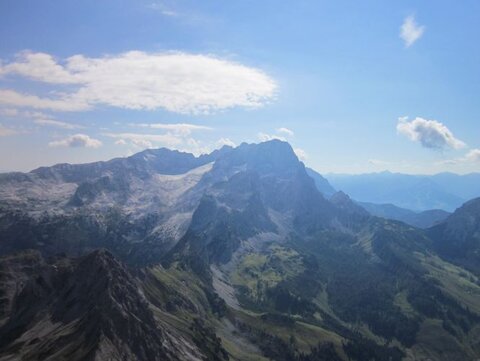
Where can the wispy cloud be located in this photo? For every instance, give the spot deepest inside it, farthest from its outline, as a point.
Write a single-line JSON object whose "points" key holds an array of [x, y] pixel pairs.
{"points": [[430, 133], [286, 131], [121, 142], [39, 66], [264, 137], [145, 140], [177, 128], [46, 122], [379, 162], [190, 15], [9, 112], [39, 118], [176, 135], [77, 141], [280, 134], [410, 31], [301, 154], [472, 156], [163, 9], [178, 82], [64, 103], [4, 131], [172, 141], [225, 141]]}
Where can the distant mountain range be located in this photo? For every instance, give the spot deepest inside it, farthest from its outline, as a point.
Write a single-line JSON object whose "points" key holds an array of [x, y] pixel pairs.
{"points": [[446, 191], [420, 219], [425, 219], [242, 254]]}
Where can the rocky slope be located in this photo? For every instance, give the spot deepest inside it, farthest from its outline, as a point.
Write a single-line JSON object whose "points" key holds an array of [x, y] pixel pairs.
{"points": [[84, 309], [321, 183], [458, 237], [137, 207], [260, 264]]}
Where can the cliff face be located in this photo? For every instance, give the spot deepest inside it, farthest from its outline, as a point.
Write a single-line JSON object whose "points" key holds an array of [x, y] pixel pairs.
{"points": [[84, 309]]}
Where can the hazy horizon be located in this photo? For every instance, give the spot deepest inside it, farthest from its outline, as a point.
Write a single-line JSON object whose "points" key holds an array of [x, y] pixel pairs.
{"points": [[355, 88], [305, 161]]}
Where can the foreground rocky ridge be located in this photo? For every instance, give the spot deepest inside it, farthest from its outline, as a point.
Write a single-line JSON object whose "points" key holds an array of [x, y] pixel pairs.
{"points": [[79, 309], [242, 257]]}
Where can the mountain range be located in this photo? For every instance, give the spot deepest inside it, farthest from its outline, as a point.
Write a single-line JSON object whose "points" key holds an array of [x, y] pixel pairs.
{"points": [[419, 219], [445, 191], [241, 254]]}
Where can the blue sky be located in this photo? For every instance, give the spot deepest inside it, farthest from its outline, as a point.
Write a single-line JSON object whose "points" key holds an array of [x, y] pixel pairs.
{"points": [[87, 80]]}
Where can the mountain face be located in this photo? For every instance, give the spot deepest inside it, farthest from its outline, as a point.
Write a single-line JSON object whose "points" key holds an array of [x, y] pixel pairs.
{"points": [[322, 183], [85, 309], [136, 206], [233, 255], [444, 191], [425, 219], [271, 195], [458, 237]]}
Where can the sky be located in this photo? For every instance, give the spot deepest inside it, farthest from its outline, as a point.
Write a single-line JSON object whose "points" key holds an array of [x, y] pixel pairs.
{"points": [[354, 86]]}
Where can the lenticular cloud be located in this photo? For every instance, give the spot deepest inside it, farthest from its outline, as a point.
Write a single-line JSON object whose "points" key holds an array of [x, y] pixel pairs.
{"points": [[177, 82]]}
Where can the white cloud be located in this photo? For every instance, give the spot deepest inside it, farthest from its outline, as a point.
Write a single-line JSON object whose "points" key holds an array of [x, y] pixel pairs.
{"points": [[9, 112], [169, 13], [39, 66], [301, 154], [146, 140], [162, 9], [264, 137], [77, 141], [176, 136], [281, 134], [121, 142], [39, 118], [26, 113], [225, 141], [195, 147], [182, 129], [430, 133], [178, 82], [473, 155], [410, 31], [4, 131], [286, 131], [378, 162], [56, 123], [63, 103]]}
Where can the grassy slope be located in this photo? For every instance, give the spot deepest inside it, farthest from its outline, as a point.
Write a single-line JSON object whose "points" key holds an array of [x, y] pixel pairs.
{"points": [[462, 285], [181, 297], [261, 269], [187, 292]]}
